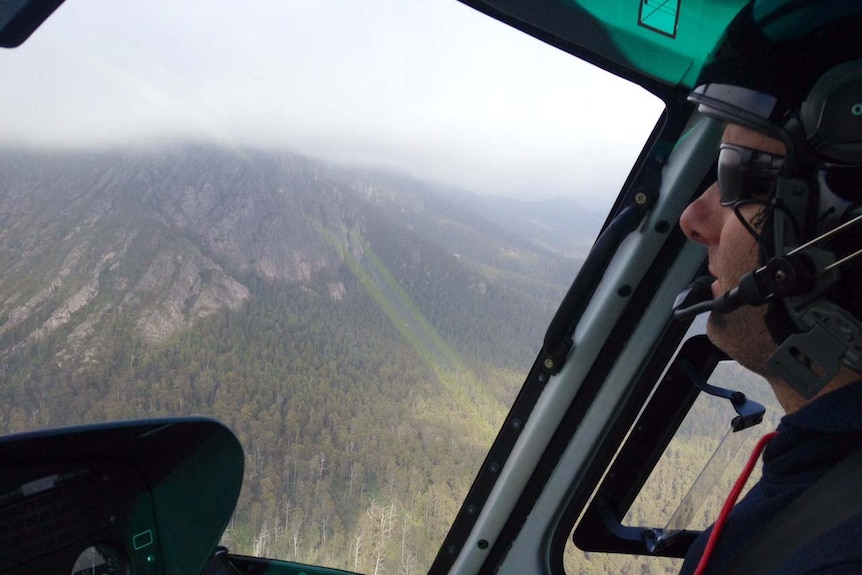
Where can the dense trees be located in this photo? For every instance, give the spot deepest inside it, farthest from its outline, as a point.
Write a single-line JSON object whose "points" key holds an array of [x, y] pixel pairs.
{"points": [[359, 449], [356, 454], [360, 442]]}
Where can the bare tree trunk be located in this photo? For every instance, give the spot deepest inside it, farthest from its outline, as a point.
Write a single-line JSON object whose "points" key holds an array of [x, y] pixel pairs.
{"points": [[295, 530], [405, 527], [378, 559], [287, 507], [261, 540], [324, 519], [357, 551], [408, 565]]}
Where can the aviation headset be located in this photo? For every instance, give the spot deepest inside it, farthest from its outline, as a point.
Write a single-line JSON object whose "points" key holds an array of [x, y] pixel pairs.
{"points": [[811, 233]]}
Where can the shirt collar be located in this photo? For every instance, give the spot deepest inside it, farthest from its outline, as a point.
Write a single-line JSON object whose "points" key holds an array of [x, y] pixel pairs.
{"points": [[836, 411]]}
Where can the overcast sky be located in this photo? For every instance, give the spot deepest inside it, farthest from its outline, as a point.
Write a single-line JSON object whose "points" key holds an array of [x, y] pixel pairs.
{"points": [[430, 87]]}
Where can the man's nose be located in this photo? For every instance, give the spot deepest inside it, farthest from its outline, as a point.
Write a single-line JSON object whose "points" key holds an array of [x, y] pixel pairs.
{"points": [[701, 220]]}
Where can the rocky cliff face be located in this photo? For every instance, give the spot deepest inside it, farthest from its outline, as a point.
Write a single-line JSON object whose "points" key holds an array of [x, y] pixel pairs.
{"points": [[169, 236]]}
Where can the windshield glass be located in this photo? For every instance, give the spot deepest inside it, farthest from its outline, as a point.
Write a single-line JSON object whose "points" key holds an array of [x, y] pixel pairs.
{"points": [[339, 228]]}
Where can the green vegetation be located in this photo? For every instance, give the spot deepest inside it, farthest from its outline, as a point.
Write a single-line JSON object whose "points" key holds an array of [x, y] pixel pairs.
{"points": [[365, 377], [357, 454]]}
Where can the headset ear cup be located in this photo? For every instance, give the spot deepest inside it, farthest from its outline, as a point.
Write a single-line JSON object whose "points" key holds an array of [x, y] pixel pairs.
{"points": [[831, 114], [845, 182]]}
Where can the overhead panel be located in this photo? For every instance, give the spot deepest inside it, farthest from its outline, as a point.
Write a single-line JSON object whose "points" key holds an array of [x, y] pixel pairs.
{"points": [[667, 40]]}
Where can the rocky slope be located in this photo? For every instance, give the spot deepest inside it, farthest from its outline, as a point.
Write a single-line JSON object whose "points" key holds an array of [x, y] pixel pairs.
{"points": [[172, 235]]}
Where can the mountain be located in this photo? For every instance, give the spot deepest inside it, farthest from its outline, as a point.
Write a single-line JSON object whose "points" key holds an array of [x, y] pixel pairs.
{"points": [[174, 235], [561, 225], [360, 332], [363, 333]]}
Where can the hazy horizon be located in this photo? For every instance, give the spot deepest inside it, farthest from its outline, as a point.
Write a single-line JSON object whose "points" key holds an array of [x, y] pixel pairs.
{"points": [[430, 88]]}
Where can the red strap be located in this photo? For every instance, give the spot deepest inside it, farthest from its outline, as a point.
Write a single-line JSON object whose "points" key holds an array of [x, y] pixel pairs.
{"points": [[731, 501]]}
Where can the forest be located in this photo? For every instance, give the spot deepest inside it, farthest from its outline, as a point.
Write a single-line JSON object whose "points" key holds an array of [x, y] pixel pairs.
{"points": [[357, 453], [365, 383]]}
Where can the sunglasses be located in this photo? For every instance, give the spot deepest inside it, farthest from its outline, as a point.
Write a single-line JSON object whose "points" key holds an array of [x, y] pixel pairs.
{"points": [[745, 173]]}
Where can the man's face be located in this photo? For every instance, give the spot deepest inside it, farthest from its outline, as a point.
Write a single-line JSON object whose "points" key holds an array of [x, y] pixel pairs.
{"points": [[733, 252]]}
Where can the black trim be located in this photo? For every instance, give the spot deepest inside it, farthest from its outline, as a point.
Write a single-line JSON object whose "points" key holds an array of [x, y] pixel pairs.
{"points": [[223, 563], [17, 28], [601, 529]]}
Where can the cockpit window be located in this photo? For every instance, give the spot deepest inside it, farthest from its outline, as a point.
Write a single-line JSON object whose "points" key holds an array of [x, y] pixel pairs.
{"points": [[339, 228]]}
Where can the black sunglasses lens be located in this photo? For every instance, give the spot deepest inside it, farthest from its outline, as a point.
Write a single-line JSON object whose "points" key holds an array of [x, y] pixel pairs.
{"points": [[729, 175], [744, 173]]}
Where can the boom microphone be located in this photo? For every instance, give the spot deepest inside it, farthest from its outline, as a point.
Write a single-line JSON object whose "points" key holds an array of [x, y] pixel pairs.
{"points": [[696, 299], [782, 276]]}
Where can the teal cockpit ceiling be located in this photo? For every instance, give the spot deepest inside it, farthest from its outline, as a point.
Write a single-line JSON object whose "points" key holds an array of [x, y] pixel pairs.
{"points": [[646, 41], [665, 40]]}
